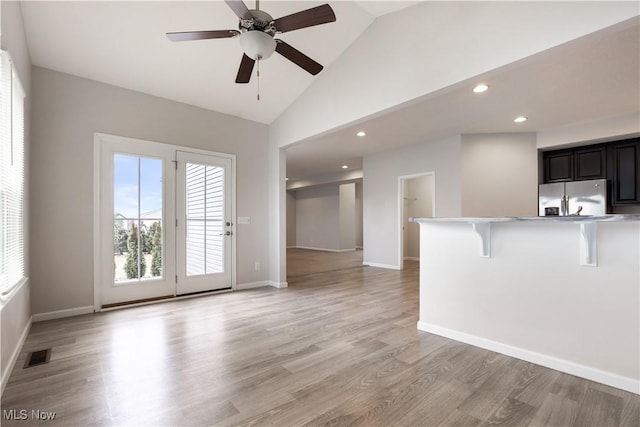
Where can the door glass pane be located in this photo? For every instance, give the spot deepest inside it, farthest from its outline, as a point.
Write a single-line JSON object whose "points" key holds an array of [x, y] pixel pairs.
{"points": [[125, 186], [150, 188], [137, 226], [204, 219]]}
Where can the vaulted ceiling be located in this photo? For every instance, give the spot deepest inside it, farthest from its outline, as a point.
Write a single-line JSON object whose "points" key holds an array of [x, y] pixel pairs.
{"points": [[418, 57], [124, 44]]}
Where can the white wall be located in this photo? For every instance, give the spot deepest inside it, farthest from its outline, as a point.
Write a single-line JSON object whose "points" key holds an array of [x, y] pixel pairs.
{"points": [[381, 193], [15, 312], [418, 203], [318, 217], [532, 299], [276, 215], [291, 219], [347, 209], [468, 38], [499, 175], [67, 110], [359, 214], [601, 130]]}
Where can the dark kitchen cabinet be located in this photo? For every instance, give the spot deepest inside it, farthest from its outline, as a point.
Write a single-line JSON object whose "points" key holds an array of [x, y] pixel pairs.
{"points": [[558, 166], [575, 164], [617, 161], [590, 163], [624, 158]]}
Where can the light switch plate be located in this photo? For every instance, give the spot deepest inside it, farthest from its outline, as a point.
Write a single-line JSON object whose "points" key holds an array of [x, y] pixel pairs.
{"points": [[244, 220]]}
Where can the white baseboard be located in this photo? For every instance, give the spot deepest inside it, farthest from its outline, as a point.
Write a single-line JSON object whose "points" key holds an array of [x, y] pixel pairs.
{"points": [[325, 250], [411, 258], [252, 285], [378, 265], [77, 311], [279, 285], [593, 374], [14, 356]]}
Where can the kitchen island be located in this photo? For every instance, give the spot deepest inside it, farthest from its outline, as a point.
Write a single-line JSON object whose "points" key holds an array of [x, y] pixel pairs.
{"points": [[562, 292]]}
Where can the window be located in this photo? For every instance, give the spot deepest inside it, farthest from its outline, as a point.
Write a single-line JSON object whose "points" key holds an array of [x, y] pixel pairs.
{"points": [[11, 178]]}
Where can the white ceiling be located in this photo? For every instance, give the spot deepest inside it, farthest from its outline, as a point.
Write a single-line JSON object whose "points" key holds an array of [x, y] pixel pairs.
{"points": [[586, 79], [124, 44]]}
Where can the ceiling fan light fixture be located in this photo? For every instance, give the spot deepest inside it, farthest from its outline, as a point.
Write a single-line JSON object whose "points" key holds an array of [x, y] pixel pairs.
{"points": [[257, 45]]}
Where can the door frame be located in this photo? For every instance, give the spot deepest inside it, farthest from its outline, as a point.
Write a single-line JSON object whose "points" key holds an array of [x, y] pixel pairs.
{"points": [[401, 180], [98, 140]]}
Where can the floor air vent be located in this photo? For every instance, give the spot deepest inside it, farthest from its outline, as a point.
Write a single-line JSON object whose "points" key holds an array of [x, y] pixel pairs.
{"points": [[39, 357]]}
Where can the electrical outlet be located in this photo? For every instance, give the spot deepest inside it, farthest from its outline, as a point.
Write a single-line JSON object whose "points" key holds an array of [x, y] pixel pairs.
{"points": [[257, 265]]}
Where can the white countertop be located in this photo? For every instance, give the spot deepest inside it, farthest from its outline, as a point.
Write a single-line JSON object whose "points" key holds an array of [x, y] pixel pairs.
{"points": [[572, 218]]}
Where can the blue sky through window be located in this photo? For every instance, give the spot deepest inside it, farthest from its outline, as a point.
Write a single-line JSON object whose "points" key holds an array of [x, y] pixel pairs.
{"points": [[126, 186]]}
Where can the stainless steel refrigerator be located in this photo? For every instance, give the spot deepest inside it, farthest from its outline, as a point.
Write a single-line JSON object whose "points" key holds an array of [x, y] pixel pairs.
{"points": [[573, 198]]}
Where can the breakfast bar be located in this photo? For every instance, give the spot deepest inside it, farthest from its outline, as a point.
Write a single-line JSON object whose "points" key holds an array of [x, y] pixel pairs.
{"points": [[562, 292]]}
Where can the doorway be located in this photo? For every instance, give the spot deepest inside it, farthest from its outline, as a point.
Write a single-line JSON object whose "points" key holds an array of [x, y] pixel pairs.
{"points": [[163, 219], [416, 200], [324, 228]]}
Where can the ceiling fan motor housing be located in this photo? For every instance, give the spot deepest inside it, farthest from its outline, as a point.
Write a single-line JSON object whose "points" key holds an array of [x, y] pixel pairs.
{"points": [[260, 21]]}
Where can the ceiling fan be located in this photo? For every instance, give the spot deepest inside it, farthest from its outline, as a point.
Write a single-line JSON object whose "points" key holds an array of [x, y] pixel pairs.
{"points": [[256, 33]]}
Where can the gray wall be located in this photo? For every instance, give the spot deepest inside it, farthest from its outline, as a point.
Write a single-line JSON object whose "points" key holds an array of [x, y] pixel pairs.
{"points": [[15, 313], [347, 216], [318, 217], [326, 216], [359, 214], [499, 175], [381, 192], [291, 219], [67, 110]]}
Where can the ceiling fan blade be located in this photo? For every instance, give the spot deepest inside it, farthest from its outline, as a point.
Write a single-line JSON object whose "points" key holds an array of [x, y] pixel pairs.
{"points": [[239, 8], [201, 35], [245, 70], [307, 18], [298, 58]]}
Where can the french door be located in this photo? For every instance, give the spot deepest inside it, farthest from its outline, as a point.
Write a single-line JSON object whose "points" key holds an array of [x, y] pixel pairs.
{"points": [[204, 226], [164, 221]]}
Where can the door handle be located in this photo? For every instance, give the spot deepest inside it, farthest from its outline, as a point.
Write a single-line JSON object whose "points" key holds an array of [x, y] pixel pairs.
{"points": [[228, 233]]}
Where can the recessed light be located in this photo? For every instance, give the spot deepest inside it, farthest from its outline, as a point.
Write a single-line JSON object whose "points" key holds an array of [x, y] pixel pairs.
{"points": [[345, 167], [520, 119], [480, 88], [361, 133]]}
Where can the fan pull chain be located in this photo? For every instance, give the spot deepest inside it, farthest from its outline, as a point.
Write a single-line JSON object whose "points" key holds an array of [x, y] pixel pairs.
{"points": [[258, 79]]}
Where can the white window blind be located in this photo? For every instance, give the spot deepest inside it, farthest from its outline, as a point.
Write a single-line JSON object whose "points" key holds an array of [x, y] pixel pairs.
{"points": [[205, 219], [11, 177]]}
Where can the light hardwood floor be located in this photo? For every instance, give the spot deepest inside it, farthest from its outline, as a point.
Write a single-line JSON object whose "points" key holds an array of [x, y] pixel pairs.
{"points": [[335, 348], [301, 262]]}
